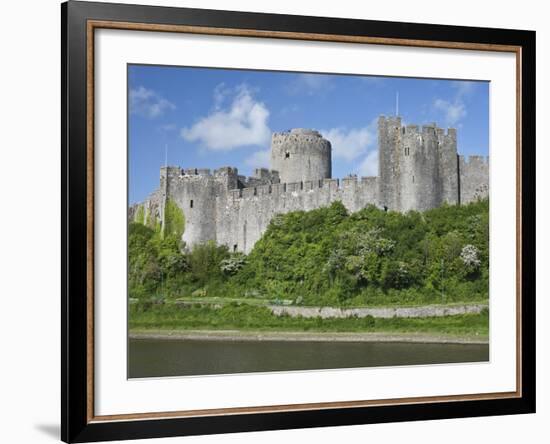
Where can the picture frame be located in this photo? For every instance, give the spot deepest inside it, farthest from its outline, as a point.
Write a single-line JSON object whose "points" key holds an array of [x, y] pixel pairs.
{"points": [[80, 21]]}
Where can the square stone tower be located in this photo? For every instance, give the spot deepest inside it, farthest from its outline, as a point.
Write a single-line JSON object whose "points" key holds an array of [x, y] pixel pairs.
{"points": [[418, 167]]}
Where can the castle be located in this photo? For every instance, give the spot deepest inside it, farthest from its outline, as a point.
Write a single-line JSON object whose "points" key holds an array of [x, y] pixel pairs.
{"points": [[419, 169]]}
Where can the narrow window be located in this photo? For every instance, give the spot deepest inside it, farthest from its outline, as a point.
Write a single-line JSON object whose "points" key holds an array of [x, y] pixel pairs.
{"points": [[413, 179], [191, 204], [287, 155], [234, 248]]}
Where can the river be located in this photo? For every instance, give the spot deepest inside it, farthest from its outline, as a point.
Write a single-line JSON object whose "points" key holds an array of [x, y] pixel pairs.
{"points": [[161, 357]]}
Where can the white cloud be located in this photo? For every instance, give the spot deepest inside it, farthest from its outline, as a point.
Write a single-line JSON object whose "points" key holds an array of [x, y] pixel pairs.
{"points": [[220, 94], [259, 159], [310, 84], [350, 144], [242, 123], [453, 112], [369, 165], [463, 87], [147, 103]]}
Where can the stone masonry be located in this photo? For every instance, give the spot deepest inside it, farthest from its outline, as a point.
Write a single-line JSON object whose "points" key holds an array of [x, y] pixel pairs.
{"points": [[419, 169]]}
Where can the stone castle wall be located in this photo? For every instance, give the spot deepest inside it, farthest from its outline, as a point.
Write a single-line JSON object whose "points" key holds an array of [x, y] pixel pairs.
{"points": [[243, 215], [419, 169], [238, 217], [473, 177]]}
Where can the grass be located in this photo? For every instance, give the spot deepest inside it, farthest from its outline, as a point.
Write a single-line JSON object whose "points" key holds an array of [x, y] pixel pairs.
{"points": [[217, 300], [256, 318]]}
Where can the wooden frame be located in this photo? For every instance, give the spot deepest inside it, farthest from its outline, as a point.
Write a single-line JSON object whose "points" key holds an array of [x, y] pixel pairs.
{"points": [[79, 21]]}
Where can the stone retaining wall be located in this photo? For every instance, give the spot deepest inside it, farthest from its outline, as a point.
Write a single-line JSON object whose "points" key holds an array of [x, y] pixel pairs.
{"points": [[396, 312]]}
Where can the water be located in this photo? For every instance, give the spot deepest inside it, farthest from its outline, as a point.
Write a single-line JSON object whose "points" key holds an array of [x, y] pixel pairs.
{"points": [[161, 357]]}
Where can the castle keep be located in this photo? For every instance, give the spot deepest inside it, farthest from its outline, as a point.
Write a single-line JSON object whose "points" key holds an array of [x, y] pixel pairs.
{"points": [[419, 169]]}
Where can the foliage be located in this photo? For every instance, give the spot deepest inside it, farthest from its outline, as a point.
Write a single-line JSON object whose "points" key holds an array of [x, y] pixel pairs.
{"points": [[174, 220], [204, 261], [326, 257], [233, 264], [140, 215], [153, 261]]}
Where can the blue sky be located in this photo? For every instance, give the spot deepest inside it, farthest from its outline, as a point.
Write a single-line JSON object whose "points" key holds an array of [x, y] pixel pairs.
{"points": [[215, 117]]}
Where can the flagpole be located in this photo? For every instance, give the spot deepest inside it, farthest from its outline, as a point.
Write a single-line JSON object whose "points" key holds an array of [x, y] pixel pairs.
{"points": [[397, 103]]}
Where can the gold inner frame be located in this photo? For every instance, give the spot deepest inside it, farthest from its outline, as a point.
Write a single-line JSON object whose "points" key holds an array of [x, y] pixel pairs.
{"points": [[92, 25]]}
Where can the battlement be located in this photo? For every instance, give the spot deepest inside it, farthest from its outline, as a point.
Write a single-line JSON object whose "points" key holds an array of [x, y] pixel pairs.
{"points": [[394, 120], [334, 186], [226, 171], [426, 129], [226, 175], [296, 133], [299, 140], [474, 160]]}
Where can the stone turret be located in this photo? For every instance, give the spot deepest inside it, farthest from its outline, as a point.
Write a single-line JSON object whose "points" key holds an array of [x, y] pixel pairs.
{"points": [[301, 155]]}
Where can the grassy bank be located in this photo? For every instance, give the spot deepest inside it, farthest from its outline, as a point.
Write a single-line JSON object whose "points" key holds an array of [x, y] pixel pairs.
{"points": [[256, 318]]}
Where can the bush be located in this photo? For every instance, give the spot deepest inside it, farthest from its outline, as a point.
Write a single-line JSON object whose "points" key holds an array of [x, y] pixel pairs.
{"points": [[327, 257]]}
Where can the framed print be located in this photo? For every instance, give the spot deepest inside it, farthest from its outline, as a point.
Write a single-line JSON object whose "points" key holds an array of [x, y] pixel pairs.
{"points": [[276, 221]]}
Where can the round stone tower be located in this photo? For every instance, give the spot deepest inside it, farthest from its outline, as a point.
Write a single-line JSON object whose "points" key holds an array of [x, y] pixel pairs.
{"points": [[301, 155]]}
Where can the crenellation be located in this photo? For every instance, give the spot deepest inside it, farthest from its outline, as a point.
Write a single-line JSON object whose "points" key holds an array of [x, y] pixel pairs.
{"points": [[429, 127], [368, 179], [226, 171], [331, 184], [248, 192], [418, 169], [310, 185], [476, 160], [263, 190], [293, 187], [349, 181]]}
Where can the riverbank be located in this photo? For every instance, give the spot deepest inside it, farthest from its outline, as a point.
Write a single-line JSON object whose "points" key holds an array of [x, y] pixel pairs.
{"points": [[236, 335], [247, 318]]}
